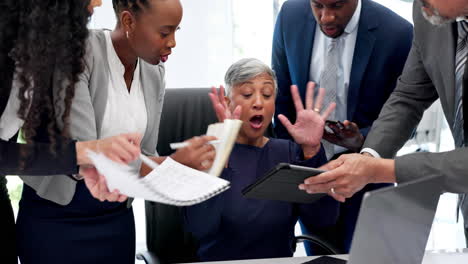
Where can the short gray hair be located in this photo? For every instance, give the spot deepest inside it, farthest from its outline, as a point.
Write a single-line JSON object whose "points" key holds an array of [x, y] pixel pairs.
{"points": [[245, 70]]}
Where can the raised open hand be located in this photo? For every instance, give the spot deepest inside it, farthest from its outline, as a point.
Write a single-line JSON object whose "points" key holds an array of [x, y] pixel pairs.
{"points": [[220, 106], [307, 131]]}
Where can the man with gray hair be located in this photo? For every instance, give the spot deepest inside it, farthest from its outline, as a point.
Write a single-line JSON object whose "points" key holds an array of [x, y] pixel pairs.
{"points": [[436, 68]]}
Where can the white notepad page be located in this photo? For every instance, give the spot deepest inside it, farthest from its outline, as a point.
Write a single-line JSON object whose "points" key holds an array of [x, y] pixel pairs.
{"points": [[169, 183], [226, 132]]}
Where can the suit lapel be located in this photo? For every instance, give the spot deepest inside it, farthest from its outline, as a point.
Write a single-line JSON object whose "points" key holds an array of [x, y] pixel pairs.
{"points": [[447, 65], [362, 53], [303, 51]]}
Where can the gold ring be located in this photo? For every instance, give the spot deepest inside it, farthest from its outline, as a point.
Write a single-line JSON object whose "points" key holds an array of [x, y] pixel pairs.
{"points": [[317, 110]]}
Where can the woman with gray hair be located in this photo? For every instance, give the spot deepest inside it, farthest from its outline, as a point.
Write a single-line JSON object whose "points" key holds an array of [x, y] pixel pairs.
{"points": [[229, 226]]}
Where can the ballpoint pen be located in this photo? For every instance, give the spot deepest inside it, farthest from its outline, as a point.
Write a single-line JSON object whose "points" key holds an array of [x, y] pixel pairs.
{"points": [[179, 145], [152, 164]]}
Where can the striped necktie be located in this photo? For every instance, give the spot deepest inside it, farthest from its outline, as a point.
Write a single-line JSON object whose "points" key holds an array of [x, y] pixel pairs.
{"points": [[328, 80], [458, 124], [460, 59]]}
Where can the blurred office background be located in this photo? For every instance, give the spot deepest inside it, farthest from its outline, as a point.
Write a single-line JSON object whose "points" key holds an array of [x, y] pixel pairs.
{"points": [[215, 33]]}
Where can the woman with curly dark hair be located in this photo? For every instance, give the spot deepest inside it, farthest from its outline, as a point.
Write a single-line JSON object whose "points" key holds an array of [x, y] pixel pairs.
{"points": [[121, 89], [42, 44]]}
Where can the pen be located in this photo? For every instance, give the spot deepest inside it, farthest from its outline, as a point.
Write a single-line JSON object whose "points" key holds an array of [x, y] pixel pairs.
{"points": [[148, 161], [179, 145]]}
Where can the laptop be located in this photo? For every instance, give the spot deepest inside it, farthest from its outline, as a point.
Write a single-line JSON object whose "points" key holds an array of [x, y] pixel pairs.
{"points": [[394, 224]]}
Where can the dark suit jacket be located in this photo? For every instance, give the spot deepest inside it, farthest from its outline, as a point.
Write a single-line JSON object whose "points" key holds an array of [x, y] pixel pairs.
{"points": [[429, 74], [382, 45]]}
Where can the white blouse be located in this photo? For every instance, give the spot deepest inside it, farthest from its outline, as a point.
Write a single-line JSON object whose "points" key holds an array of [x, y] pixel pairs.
{"points": [[125, 111]]}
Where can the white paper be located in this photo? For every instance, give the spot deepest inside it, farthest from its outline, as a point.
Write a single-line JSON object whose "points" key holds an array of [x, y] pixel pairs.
{"points": [[170, 183], [226, 132]]}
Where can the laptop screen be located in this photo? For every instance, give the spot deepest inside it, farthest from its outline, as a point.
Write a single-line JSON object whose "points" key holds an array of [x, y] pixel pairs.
{"points": [[394, 223]]}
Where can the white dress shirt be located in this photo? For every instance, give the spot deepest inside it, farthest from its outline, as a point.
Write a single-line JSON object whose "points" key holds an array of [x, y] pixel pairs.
{"points": [[125, 110], [346, 45]]}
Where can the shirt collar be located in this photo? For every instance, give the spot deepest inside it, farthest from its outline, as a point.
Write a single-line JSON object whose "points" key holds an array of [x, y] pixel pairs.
{"points": [[114, 60], [353, 23]]}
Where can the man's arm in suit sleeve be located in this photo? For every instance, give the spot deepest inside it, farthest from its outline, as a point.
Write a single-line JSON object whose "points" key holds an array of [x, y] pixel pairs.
{"points": [[400, 116], [279, 62], [451, 164], [402, 112]]}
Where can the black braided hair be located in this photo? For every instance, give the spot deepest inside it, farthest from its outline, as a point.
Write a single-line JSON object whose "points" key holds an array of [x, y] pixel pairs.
{"points": [[135, 6], [44, 41]]}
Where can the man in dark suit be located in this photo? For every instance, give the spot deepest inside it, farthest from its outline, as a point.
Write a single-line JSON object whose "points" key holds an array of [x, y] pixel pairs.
{"points": [[356, 50], [436, 69]]}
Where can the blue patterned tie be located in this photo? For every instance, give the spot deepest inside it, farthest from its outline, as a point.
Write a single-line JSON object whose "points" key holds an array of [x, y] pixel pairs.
{"points": [[460, 62]]}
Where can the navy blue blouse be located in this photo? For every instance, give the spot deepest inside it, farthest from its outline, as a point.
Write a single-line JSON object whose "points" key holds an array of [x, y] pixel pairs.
{"points": [[230, 227]]}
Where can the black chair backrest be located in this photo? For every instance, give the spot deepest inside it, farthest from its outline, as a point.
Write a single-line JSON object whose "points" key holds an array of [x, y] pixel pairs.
{"points": [[186, 113]]}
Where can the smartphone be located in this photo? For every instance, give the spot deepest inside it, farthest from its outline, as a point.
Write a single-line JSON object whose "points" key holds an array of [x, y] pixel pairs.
{"points": [[332, 126]]}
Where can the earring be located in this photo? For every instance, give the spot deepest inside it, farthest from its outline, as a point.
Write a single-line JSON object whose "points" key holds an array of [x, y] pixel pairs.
{"points": [[127, 34]]}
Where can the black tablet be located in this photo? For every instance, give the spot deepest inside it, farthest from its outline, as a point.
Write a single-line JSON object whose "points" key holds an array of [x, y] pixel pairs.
{"points": [[282, 184]]}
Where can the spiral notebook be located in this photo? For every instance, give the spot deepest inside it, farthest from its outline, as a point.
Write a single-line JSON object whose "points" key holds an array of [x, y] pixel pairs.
{"points": [[169, 183]]}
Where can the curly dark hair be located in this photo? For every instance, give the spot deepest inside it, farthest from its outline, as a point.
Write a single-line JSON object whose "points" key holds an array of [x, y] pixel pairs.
{"points": [[42, 45]]}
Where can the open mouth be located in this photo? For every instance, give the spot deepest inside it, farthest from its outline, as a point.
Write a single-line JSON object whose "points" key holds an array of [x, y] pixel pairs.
{"points": [[164, 58], [330, 30], [256, 121]]}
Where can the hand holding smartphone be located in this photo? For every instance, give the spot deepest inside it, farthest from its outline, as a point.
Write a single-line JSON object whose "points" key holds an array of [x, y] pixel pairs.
{"points": [[344, 134]]}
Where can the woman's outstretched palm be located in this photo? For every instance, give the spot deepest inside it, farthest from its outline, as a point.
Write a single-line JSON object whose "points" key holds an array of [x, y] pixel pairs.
{"points": [[220, 106], [309, 125]]}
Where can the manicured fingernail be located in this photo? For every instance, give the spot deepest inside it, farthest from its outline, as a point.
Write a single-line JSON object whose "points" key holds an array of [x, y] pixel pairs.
{"points": [[301, 187]]}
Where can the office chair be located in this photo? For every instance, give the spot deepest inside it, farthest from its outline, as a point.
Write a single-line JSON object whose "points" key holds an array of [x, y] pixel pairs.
{"points": [[186, 113]]}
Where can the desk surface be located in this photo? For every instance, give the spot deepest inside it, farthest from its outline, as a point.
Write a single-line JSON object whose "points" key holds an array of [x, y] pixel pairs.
{"points": [[459, 256]]}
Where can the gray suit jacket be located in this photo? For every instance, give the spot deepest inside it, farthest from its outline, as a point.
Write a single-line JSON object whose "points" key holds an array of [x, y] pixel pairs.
{"points": [[429, 74], [88, 108]]}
